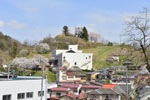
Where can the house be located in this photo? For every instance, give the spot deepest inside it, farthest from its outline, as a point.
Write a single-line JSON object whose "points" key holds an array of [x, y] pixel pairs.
{"points": [[107, 92], [23, 88], [79, 88], [69, 96], [65, 75], [118, 69], [144, 94], [113, 58], [104, 94], [88, 88], [92, 76], [73, 87], [58, 91], [72, 57], [72, 96]]}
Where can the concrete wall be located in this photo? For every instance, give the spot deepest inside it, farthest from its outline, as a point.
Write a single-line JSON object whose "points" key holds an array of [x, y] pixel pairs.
{"points": [[14, 87]]}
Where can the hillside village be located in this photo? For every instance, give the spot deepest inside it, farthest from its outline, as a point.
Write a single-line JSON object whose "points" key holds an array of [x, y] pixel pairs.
{"points": [[74, 71], [76, 79]]}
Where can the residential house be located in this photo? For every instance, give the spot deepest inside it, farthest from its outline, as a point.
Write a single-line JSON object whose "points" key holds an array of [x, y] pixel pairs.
{"points": [[72, 96], [58, 91], [73, 57], [107, 92], [65, 75], [144, 94], [118, 69]]}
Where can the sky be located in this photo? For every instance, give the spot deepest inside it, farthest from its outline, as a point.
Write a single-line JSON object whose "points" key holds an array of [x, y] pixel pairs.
{"points": [[32, 20]]}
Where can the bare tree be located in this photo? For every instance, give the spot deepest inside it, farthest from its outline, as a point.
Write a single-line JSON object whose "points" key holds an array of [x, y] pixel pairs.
{"points": [[94, 37], [138, 32]]}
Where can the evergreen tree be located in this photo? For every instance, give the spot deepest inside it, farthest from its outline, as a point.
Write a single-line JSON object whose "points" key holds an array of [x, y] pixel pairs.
{"points": [[66, 30], [85, 35]]}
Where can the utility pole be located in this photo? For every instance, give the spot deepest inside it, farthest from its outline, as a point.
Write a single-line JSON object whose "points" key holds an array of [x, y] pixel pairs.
{"points": [[8, 70], [46, 82], [127, 82], [42, 80]]}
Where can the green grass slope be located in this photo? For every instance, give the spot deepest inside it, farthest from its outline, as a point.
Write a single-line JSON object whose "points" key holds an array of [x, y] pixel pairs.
{"points": [[100, 54]]}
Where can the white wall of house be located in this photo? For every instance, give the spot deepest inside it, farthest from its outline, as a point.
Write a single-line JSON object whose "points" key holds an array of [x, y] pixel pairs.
{"points": [[82, 60], [64, 77], [147, 97], [13, 87]]}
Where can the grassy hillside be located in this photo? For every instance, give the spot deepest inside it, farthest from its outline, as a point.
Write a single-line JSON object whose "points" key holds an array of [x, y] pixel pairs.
{"points": [[100, 54], [50, 75]]}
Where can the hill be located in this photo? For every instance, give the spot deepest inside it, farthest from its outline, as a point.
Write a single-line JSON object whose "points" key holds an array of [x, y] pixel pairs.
{"points": [[100, 54]]}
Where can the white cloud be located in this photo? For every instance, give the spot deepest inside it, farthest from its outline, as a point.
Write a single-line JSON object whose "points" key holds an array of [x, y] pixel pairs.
{"points": [[15, 25], [1, 23]]}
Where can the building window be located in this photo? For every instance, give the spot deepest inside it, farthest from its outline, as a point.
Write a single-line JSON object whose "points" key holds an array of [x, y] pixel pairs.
{"points": [[29, 94], [89, 57], [40, 93], [64, 77], [75, 63], [7, 97], [70, 76], [58, 94], [21, 96], [48, 91]]}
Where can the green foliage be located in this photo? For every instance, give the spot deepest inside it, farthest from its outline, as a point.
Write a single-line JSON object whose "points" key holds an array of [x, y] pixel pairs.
{"points": [[15, 49], [85, 34], [110, 44], [23, 53], [50, 75], [2, 69], [66, 31]]}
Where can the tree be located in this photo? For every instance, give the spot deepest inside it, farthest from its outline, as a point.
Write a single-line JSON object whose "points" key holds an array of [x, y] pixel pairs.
{"points": [[110, 44], [85, 34], [43, 48], [94, 37], [138, 31], [66, 30], [15, 49], [29, 63], [23, 52]]}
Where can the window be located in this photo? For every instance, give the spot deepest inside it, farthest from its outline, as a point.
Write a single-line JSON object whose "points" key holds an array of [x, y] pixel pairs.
{"points": [[64, 77], [58, 94], [70, 76], [29, 94], [75, 63], [48, 90], [89, 57], [21, 96], [7, 97], [39, 93]]}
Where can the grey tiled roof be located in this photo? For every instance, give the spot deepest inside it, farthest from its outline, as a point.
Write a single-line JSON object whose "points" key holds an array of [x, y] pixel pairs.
{"points": [[104, 91]]}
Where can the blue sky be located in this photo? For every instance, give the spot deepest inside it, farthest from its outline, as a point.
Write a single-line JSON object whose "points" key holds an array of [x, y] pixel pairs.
{"points": [[36, 19]]}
